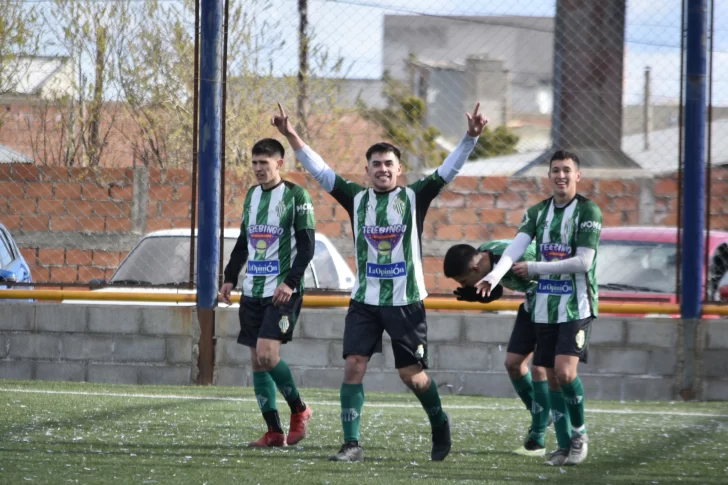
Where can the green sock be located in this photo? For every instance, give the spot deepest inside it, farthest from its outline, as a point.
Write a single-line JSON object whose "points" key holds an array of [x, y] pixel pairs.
{"points": [[352, 400], [430, 400], [524, 389], [574, 397], [265, 391], [283, 378], [540, 411], [560, 414]]}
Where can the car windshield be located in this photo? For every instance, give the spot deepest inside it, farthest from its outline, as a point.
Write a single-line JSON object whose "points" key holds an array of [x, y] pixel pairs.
{"points": [[165, 260], [162, 260], [649, 266]]}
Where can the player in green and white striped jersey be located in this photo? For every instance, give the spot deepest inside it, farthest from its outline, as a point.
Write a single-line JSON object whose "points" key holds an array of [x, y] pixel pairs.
{"points": [[468, 265], [277, 242], [566, 228], [387, 222]]}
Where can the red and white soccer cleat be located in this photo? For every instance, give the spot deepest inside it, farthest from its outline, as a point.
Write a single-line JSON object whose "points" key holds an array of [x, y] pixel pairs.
{"points": [[299, 425]]}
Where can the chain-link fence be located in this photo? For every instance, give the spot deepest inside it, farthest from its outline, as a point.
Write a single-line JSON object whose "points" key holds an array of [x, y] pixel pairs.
{"points": [[97, 138]]}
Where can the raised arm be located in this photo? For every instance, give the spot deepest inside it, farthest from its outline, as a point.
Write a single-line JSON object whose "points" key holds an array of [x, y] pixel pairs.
{"points": [[454, 162], [311, 161]]}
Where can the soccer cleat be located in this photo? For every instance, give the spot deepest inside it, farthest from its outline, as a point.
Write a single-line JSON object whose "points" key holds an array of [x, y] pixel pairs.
{"points": [[350, 451], [441, 441], [530, 448], [558, 457], [299, 426], [578, 450], [271, 439]]}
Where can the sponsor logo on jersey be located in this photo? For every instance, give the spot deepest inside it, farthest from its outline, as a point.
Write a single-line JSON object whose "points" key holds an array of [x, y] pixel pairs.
{"points": [[392, 270], [554, 251], [384, 238], [262, 236], [590, 226], [555, 287], [263, 268], [303, 208]]}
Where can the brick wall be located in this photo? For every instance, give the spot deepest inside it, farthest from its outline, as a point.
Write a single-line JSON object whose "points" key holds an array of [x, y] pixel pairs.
{"points": [[77, 224]]}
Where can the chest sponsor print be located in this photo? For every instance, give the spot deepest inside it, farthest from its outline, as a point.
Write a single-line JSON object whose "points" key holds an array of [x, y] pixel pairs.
{"points": [[554, 251], [262, 237], [555, 287], [384, 238]]}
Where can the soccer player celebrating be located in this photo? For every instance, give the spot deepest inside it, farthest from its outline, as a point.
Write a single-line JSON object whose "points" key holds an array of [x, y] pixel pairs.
{"points": [[277, 242], [467, 266], [566, 228], [387, 222]]}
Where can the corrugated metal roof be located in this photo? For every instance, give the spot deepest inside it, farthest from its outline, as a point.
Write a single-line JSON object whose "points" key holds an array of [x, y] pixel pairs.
{"points": [[34, 72], [11, 156], [661, 157]]}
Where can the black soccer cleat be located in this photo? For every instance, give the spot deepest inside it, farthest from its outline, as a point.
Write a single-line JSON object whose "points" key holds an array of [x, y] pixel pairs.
{"points": [[441, 441], [349, 451]]}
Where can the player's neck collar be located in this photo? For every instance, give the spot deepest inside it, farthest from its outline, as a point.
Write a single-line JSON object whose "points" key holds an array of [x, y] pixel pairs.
{"points": [[271, 188]]}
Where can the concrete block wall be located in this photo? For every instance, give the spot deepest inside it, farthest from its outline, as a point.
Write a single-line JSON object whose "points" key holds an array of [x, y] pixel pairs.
{"points": [[628, 359], [110, 344]]}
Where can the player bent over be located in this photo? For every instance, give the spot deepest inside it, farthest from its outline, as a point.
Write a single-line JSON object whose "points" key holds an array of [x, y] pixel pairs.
{"points": [[387, 221], [467, 266], [277, 241], [566, 228]]}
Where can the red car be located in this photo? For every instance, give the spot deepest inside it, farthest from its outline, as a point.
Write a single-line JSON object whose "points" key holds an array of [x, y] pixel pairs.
{"points": [[639, 264]]}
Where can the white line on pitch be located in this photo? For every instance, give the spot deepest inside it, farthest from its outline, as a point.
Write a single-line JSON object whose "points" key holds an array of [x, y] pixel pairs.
{"points": [[336, 403]]}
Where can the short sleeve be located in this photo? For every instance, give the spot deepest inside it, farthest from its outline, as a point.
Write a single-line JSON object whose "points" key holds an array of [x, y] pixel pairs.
{"points": [[304, 215], [590, 226], [528, 223]]}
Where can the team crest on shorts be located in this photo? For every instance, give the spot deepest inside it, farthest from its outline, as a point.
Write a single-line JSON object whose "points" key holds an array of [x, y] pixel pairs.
{"points": [[283, 324], [420, 352], [580, 339]]}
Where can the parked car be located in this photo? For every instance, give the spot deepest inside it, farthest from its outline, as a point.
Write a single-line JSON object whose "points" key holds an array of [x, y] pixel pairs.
{"points": [[640, 264], [161, 259], [13, 267]]}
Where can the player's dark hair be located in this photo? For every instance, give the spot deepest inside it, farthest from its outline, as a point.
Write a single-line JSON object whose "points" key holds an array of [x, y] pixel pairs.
{"points": [[269, 147], [383, 147], [457, 260], [564, 155]]}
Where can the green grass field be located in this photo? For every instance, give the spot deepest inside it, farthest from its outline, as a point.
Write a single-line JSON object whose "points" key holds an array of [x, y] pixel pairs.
{"points": [[86, 433]]}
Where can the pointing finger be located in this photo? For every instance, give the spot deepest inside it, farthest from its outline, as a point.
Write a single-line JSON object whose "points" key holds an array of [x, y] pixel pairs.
{"points": [[475, 112]]}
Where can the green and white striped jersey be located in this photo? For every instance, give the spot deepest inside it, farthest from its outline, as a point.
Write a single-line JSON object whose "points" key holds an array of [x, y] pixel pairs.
{"points": [[511, 280], [271, 219], [387, 231], [558, 231]]}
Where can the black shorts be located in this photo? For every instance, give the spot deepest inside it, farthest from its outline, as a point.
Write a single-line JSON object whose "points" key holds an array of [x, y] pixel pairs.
{"points": [[567, 338], [523, 336], [260, 318], [406, 326]]}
